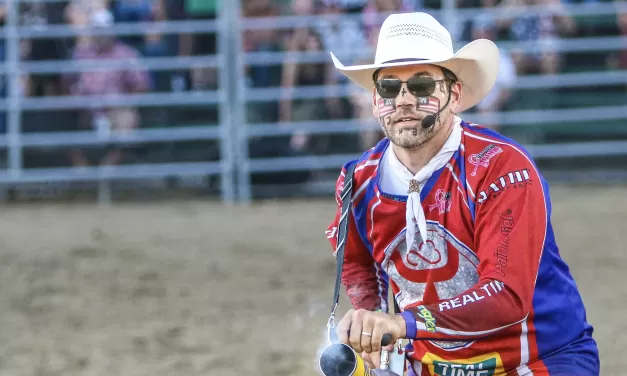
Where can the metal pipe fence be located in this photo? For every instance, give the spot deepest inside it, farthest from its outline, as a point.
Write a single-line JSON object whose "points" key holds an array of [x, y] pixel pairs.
{"points": [[233, 132]]}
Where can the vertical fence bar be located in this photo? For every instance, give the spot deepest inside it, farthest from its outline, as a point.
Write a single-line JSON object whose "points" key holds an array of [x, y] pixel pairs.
{"points": [[14, 128], [240, 108], [227, 139], [104, 192]]}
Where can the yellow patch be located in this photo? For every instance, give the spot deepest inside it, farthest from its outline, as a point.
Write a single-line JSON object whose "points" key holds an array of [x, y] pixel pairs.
{"points": [[484, 365]]}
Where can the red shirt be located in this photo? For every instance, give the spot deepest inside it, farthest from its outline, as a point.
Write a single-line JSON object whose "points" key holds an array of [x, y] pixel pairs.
{"points": [[487, 287]]}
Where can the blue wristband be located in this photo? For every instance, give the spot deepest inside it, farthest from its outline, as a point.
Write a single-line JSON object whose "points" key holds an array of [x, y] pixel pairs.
{"points": [[410, 324]]}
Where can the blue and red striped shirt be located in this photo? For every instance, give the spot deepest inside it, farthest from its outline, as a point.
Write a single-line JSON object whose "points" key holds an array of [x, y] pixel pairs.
{"points": [[487, 288]]}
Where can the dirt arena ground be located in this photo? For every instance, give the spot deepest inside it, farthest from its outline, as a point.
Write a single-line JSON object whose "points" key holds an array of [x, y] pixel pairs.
{"points": [[200, 289]]}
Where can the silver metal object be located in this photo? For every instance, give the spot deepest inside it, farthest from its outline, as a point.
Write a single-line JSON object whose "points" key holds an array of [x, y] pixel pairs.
{"points": [[385, 359], [396, 358]]}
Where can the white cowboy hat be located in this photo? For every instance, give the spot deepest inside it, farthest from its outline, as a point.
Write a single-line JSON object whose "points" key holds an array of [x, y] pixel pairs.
{"points": [[418, 38]]}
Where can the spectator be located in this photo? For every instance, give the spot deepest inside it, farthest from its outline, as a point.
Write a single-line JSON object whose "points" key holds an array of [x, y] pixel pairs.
{"points": [[361, 102], [484, 26], [264, 40], [127, 11], [110, 82], [132, 10], [345, 35], [78, 14], [349, 6], [202, 43], [618, 60], [40, 15], [542, 29], [292, 75], [263, 75], [303, 74], [157, 44], [372, 20]]}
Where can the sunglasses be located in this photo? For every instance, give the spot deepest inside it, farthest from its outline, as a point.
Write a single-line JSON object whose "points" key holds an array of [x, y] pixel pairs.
{"points": [[418, 86]]}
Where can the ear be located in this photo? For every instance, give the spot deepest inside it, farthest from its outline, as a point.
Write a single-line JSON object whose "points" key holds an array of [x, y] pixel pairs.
{"points": [[375, 108], [456, 96]]}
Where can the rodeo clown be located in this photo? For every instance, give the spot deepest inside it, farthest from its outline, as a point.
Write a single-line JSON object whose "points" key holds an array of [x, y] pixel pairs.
{"points": [[456, 218]]}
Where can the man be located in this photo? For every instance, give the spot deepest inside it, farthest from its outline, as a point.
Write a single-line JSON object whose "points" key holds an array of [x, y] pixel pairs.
{"points": [[456, 218], [120, 120]]}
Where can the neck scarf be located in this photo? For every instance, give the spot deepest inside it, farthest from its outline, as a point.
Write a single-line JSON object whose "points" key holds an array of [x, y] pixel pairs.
{"points": [[414, 214]]}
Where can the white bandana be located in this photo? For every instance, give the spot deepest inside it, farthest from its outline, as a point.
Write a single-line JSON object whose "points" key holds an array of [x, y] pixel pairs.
{"points": [[414, 214]]}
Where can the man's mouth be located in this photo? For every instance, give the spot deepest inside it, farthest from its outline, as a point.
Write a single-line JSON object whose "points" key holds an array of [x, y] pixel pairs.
{"points": [[406, 120]]}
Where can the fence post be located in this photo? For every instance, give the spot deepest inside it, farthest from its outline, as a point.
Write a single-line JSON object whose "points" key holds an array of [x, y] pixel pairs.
{"points": [[237, 87], [241, 108], [14, 123], [227, 103]]}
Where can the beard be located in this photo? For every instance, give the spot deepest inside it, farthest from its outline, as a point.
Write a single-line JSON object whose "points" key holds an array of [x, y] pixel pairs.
{"points": [[408, 137]]}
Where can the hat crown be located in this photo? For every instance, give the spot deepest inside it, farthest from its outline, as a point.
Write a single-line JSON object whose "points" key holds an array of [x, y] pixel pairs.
{"points": [[413, 36]]}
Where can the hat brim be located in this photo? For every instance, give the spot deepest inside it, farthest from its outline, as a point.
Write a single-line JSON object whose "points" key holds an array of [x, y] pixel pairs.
{"points": [[476, 65]]}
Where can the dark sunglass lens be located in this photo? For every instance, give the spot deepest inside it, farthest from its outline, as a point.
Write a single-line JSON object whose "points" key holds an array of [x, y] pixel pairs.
{"points": [[389, 87], [421, 86]]}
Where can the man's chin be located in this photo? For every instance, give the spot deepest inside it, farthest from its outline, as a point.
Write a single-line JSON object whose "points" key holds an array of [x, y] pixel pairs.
{"points": [[405, 142]]}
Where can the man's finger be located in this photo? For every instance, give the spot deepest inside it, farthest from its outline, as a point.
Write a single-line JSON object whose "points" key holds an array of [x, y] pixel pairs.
{"points": [[366, 341], [369, 360], [375, 359], [367, 333], [344, 326], [377, 334], [354, 337]]}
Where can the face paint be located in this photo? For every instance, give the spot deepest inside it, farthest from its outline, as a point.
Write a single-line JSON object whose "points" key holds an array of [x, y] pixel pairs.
{"points": [[428, 104], [386, 106], [403, 92]]}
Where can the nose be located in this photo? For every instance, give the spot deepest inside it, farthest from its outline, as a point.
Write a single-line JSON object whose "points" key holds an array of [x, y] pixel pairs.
{"points": [[404, 97]]}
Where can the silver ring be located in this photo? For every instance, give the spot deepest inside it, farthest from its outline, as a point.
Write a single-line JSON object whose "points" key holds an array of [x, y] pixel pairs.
{"points": [[366, 334]]}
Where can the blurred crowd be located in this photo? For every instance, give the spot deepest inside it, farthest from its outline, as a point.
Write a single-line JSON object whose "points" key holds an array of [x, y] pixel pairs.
{"points": [[359, 31], [515, 23]]}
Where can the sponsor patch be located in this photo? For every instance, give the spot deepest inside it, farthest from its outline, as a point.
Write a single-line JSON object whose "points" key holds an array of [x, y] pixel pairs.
{"points": [[442, 201], [482, 159], [486, 291], [427, 317], [502, 249], [512, 179], [484, 365]]}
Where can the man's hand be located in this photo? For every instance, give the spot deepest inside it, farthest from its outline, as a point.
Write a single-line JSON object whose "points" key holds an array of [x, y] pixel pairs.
{"points": [[363, 330]]}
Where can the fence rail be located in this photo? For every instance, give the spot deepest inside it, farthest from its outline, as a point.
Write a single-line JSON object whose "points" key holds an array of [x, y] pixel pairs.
{"points": [[505, 118], [148, 63], [140, 136], [123, 172], [233, 133], [578, 10], [586, 44]]}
